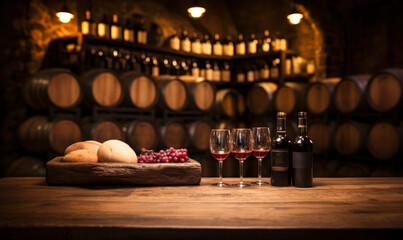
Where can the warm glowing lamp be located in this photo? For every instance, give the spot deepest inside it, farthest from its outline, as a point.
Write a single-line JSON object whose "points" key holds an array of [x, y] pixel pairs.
{"points": [[196, 12], [295, 18], [64, 15]]}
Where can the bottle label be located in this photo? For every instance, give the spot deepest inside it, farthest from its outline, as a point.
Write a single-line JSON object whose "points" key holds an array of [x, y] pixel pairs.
{"points": [[126, 35], [209, 74], [265, 46], [217, 75], [175, 43], [240, 48], [115, 32], [264, 73], [302, 160], [226, 75], [228, 49], [250, 76], [252, 47], [240, 77], [217, 49], [155, 71], [279, 160], [207, 48], [196, 47], [101, 30], [185, 44], [85, 27], [195, 72], [274, 72]]}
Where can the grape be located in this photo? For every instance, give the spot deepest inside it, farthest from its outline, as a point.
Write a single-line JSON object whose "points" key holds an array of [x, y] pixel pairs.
{"points": [[169, 155]]}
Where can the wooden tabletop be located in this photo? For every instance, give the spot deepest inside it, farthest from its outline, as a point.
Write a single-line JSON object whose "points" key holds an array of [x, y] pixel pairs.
{"points": [[335, 208]]}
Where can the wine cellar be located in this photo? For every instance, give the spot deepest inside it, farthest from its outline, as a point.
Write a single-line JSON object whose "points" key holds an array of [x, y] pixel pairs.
{"points": [[152, 76]]}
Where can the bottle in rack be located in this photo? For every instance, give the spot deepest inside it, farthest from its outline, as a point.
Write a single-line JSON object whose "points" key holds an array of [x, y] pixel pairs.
{"points": [[252, 44], [228, 47], [145, 64], [226, 73], [175, 68], [216, 72], [103, 28], [302, 155], [141, 33], [250, 73], [240, 75], [116, 29], [265, 72], [240, 48], [155, 67], [217, 46], [175, 42], [266, 41], [184, 68], [117, 61], [274, 70], [206, 45], [195, 69], [209, 71], [128, 32], [196, 45], [185, 42], [280, 154], [88, 27], [166, 68], [102, 61]]}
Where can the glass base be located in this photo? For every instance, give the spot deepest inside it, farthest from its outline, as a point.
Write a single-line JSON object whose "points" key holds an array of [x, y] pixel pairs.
{"points": [[260, 183], [221, 184], [242, 185]]}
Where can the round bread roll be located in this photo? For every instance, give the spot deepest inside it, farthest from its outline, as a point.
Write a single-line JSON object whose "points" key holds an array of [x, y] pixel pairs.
{"points": [[116, 151], [81, 155], [88, 145]]}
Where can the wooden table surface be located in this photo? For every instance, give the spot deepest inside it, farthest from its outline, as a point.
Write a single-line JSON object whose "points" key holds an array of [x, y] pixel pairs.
{"points": [[335, 208]]}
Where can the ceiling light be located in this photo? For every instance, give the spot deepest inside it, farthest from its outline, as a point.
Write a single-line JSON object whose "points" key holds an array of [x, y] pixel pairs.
{"points": [[295, 17], [196, 12], [64, 15]]}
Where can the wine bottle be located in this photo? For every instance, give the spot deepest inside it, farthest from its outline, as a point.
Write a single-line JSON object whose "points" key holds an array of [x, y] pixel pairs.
{"points": [[217, 47], [216, 73], [145, 64], [196, 45], [250, 73], [302, 155], [175, 42], [240, 75], [166, 67], [195, 69], [206, 45], [240, 45], [274, 70], [175, 68], [280, 154], [185, 42], [209, 71], [128, 32], [184, 68], [117, 61], [104, 28], [228, 47], [102, 61], [265, 72], [155, 68], [141, 33], [226, 73], [116, 29], [252, 44], [88, 27], [266, 41]]}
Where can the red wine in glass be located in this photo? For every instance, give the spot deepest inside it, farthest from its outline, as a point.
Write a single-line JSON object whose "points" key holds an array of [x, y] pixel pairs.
{"points": [[241, 155], [220, 156], [259, 154]]}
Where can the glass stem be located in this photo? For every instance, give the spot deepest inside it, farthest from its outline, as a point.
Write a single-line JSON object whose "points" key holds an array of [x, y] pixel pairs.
{"points": [[241, 171], [220, 171], [259, 169]]}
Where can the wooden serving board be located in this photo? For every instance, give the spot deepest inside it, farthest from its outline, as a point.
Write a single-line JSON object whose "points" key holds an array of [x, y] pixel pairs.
{"points": [[82, 173]]}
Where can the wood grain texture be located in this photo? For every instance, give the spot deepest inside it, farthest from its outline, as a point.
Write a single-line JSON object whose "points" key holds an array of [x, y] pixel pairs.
{"points": [[338, 208], [71, 173]]}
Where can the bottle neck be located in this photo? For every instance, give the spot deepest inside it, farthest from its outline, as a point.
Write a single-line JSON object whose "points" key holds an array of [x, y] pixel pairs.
{"points": [[281, 128], [302, 127]]}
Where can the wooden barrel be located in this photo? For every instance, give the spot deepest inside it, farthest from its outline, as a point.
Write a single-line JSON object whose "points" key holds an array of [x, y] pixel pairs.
{"points": [[102, 87], [26, 166], [384, 140], [319, 95], [352, 170], [140, 90], [199, 135], [349, 137], [201, 95], [174, 134], [37, 134], [260, 98], [349, 94], [229, 103], [142, 134], [173, 93], [385, 90], [289, 98], [321, 135], [104, 130], [56, 87]]}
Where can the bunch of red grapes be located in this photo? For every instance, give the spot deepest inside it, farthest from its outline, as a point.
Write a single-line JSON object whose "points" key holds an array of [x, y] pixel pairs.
{"points": [[171, 155]]}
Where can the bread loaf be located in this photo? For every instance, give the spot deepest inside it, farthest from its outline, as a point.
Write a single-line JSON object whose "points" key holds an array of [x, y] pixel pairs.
{"points": [[116, 151], [87, 145], [81, 155]]}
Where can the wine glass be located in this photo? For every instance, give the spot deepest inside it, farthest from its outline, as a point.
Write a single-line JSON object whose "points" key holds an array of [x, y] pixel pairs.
{"points": [[241, 148], [220, 148], [261, 147]]}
